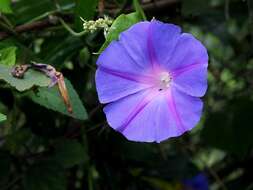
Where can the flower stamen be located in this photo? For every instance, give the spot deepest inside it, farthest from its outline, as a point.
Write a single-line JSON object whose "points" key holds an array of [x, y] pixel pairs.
{"points": [[164, 80]]}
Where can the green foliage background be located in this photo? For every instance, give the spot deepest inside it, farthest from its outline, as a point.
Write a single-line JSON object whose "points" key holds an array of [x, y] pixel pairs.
{"points": [[42, 147]]}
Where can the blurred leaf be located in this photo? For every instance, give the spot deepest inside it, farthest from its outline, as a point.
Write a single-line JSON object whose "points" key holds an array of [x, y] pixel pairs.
{"points": [[16, 140], [138, 151], [45, 175], [2, 117], [5, 6], [85, 9], [194, 7], [139, 9], [208, 157], [84, 57], [59, 52], [120, 24], [31, 78], [217, 48], [51, 99], [70, 153], [162, 184], [231, 132], [26, 10], [8, 56]]}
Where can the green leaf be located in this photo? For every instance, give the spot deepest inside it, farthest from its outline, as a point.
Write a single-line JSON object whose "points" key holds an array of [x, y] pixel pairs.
{"points": [[45, 175], [51, 99], [5, 6], [120, 24], [139, 9], [8, 56], [2, 117], [85, 9], [70, 153], [31, 78]]}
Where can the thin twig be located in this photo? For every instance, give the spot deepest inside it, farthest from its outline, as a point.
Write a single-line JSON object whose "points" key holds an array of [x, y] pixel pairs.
{"points": [[94, 110], [57, 5], [217, 178], [43, 16], [226, 9], [101, 7], [162, 152]]}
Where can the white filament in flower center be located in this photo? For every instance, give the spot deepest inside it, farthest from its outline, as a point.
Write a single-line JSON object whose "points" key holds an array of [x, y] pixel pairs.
{"points": [[164, 80]]}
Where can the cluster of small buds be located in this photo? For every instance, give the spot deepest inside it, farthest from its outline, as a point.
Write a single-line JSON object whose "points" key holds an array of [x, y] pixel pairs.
{"points": [[93, 25]]}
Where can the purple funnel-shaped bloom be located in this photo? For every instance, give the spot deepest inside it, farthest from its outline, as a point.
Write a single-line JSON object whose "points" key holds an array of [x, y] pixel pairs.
{"points": [[152, 78], [198, 182]]}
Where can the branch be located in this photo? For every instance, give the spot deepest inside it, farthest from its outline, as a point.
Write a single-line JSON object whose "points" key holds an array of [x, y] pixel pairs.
{"points": [[147, 6], [158, 4], [38, 25], [54, 20]]}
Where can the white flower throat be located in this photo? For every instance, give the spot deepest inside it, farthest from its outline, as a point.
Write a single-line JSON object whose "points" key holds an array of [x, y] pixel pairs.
{"points": [[164, 80]]}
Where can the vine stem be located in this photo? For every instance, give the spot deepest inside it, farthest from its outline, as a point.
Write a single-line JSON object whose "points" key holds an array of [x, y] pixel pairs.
{"points": [[67, 27]]}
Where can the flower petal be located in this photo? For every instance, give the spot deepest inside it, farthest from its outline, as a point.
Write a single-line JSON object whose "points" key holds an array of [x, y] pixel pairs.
{"points": [[185, 109], [191, 80], [135, 41], [112, 85], [163, 39], [115, 57], [118, 75], [188, 51], [188, 66], [148, 116]]}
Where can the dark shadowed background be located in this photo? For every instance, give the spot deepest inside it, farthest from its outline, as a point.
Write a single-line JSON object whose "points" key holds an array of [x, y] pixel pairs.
{"points": [[42, 148]]}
